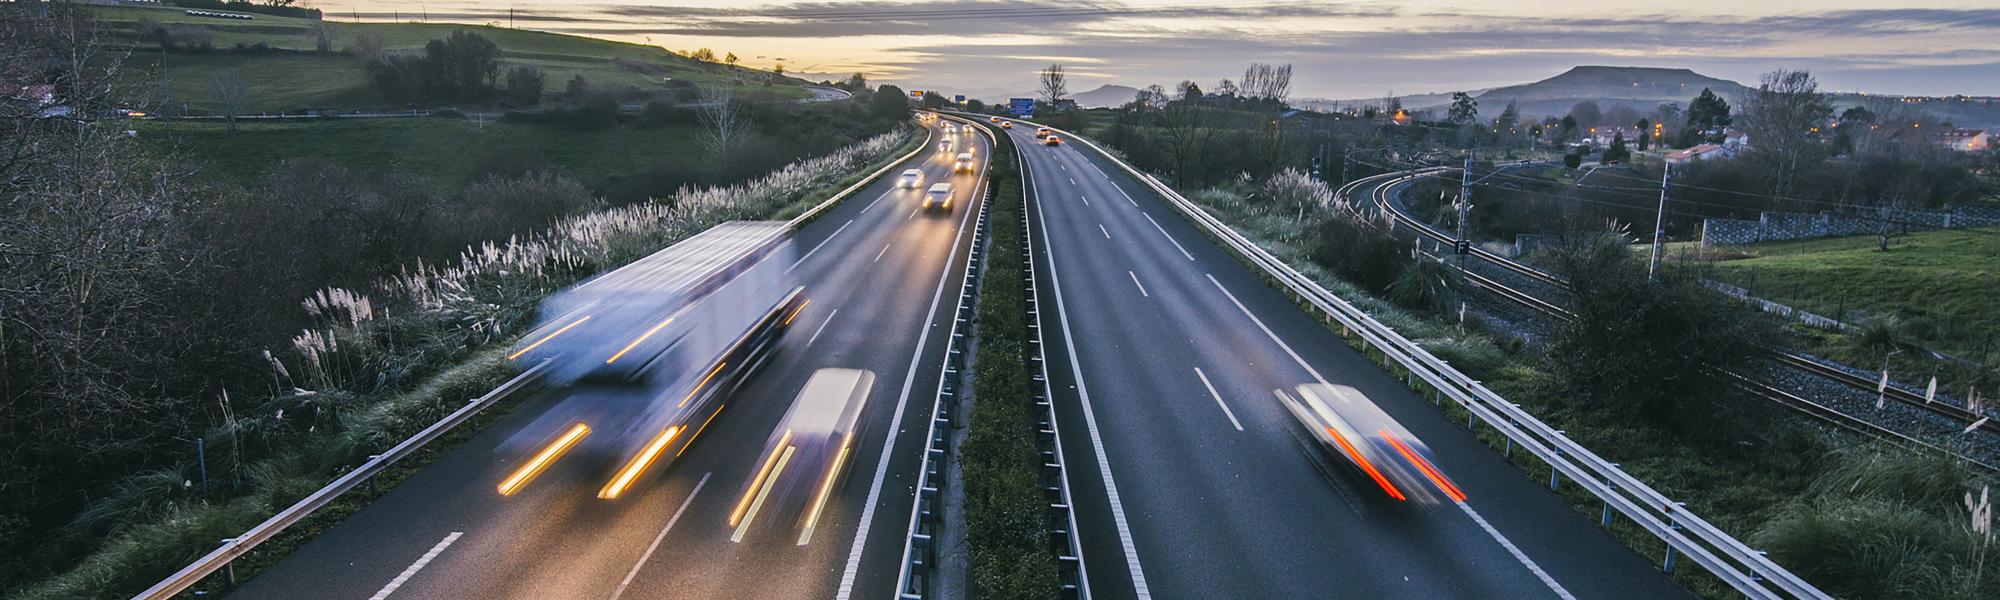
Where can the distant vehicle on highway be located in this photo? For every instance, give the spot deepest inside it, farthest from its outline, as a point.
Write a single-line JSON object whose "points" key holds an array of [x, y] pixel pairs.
{"points": [[1052, 140], [944, 146], [807, 453], [1007, 124], [939, 196], [1042, 132], [993, 119], [1347, 424], [911, 178], [963, 164]]}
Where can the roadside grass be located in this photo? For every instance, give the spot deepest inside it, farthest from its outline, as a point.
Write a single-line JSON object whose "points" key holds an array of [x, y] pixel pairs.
{"points": [[305, 79], [450, 326], [449, 150], [1768, 487], [1939, 288]]}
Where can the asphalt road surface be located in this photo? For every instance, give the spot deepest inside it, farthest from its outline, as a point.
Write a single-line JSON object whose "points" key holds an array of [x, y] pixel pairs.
{"points": [[1192, 481], [875, 270]]}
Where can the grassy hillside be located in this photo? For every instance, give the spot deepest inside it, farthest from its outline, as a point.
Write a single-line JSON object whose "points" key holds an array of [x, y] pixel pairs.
{"points": [[448, 150], [1941, 285], [293, 76]]}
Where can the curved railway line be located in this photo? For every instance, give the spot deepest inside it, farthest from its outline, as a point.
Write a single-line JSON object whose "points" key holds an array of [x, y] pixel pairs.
{"points": [[1381, 196]]}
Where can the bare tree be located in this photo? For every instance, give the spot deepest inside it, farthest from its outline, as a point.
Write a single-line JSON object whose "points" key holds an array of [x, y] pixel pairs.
{"points": [[1153, 97], [1266, 81], [1187, 131], [723, 125], [1225, 88], [368, 47], [1782, 117], [1055, 86], [231, 93]]}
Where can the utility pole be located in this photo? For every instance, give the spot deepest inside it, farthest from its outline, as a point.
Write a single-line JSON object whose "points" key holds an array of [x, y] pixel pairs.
{"points": [[1464, 210], [1659, 225]]}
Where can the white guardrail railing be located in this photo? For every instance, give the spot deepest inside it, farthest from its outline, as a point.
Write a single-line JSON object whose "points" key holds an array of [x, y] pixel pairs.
{"points": [[222, 558], [1742, 568]]}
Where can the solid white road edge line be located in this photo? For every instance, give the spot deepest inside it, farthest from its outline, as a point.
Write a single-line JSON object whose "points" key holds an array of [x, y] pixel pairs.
{"points": [[822, 327], [853, 567], [1135, 281], [878, 200], [648, 555], [822, 244], [1218, 398], [416, 566], [1518, 555], [1170, 237], [1089, 417]]}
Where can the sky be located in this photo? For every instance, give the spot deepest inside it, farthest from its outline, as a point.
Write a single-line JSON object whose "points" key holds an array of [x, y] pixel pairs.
{"points": [[1338, 49]]}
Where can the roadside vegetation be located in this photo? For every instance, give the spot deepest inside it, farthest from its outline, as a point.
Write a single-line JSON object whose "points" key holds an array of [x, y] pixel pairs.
{"points": [[183, 352], [1859, 519], [1006, 517]]}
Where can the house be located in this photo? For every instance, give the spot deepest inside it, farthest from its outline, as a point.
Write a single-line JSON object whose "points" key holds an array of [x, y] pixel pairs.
{"points": [[1700, 152], [1735, 139], [1966, 140]]}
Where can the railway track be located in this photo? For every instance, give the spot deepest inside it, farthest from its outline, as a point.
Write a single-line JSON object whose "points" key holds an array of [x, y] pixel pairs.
{"points": [[1818, 411]]}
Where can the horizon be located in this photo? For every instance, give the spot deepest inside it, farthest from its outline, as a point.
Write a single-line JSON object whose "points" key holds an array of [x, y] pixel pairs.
{"points": [[1341, 50]]}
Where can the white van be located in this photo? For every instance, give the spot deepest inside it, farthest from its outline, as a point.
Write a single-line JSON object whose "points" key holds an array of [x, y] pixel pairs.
{"points": [[938, 196]]}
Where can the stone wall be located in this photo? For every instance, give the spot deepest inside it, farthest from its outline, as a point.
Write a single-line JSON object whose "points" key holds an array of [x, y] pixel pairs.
{"points": [[1773, 226]]}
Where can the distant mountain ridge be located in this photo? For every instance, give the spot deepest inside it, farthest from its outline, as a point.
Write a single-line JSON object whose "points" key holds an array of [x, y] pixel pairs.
{"points": [[1640, 88], [1106, 96]]}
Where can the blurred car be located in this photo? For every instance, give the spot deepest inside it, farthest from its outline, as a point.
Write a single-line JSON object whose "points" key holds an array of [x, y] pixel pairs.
{"points": [[1042, 132], [993, 119], [944, 145], [939, 196], [1007, 124], [805, 456], [1052, 141], [963, 164], [1346, 423], [911, 178]]}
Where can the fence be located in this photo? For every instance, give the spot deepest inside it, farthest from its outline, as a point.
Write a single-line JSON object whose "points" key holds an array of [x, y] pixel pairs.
{"points": [[1686, 534], [1774, 226]]}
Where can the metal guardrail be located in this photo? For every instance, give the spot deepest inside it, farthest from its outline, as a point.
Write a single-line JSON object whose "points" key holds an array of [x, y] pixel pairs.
{"points": [[222, 558], [1744, 569], [1054, 476], [232, 548], [920, 549]]}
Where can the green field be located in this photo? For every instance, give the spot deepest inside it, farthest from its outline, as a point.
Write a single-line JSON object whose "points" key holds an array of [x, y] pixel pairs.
{"points": [[294, 77], [448, 150], [1943, 285]]}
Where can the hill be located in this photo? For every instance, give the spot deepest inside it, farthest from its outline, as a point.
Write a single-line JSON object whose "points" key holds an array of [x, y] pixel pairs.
{"points": [[1640, 88], [278, 56], [1107, 95]]}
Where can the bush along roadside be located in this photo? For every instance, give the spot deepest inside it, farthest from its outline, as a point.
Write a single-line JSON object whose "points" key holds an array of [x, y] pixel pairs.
{"points": [[1006, 512], [374, 372]]}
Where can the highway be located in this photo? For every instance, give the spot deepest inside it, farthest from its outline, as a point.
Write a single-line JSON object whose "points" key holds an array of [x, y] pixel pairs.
{"points": [[1192, 481], [875, 270]]}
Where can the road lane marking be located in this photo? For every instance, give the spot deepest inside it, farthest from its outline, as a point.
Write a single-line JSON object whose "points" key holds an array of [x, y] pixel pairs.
{"points": [[1170, 237], [1090, 418], [878, 200], [822, 327], [913, 213], [1267, 331], [885, 250], [648, 555], [1135, 281], [1218, 398], [822, 244], [1518, 554], [853, 568], [1072, 180], [416, 566], [1085, 199], [1061, 165], [1107, 233]]}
